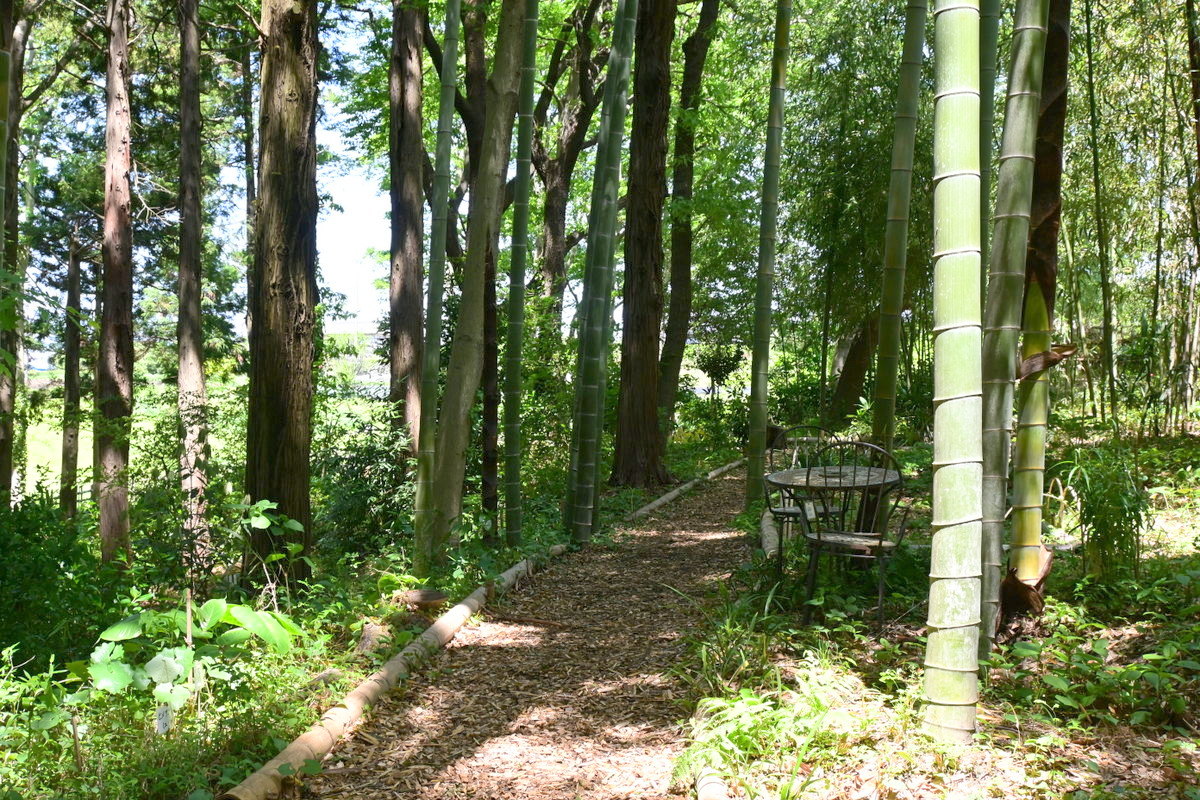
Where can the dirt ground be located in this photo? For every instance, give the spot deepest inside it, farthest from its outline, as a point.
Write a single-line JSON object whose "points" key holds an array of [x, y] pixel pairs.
{"points": [[565, 690]]}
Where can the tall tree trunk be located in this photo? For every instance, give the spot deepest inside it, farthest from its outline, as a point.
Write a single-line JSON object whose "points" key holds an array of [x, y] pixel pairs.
{"points": [[895, 237], [853, 373], [68, 492], [513, 501], [463, 372], [1002, 315], [683, 169], [595, 328], [192, 394], [951, 660], [1041, 271], [406, 150], [1102, 239], [246, 103], [284, 294], [424, 544], [760, 358], [114, 393], [638, 460]]}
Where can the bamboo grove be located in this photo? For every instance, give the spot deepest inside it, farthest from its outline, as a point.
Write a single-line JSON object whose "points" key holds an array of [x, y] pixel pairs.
{"points": [[614, 230]]}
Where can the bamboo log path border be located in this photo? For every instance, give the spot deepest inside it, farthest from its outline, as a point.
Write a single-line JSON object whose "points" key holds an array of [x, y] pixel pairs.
{"points": [[319, 740]]}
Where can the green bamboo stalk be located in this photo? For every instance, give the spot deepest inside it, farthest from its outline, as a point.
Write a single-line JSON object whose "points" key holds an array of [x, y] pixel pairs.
{"points": [[596, 325], [1029, 457], [989, 35], [895, 237], [423, 523], [1002, 322], [951, 662], [760, 360], [516, 285]]}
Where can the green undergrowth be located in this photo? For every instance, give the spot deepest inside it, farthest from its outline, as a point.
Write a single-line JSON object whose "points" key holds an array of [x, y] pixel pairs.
{"points": [[1094, 700]]}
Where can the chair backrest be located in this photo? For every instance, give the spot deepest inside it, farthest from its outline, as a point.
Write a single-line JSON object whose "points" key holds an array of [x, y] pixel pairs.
{"points": [[856, 487], [795, 447]]}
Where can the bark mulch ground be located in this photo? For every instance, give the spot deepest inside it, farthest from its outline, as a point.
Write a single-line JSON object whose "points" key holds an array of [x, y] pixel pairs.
{"points": [[575, 700]]}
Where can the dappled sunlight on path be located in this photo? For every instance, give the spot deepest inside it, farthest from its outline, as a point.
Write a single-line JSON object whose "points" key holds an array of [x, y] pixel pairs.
{"points": [[573, 699]]}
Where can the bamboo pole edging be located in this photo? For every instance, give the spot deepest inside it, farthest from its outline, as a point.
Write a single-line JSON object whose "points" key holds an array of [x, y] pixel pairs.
{"points": [[768, 535], [654, 505], [710, 785], [320, 739]]}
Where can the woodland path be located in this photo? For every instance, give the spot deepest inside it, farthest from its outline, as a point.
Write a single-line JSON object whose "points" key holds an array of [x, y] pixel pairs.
{"points": [[588, 710]]}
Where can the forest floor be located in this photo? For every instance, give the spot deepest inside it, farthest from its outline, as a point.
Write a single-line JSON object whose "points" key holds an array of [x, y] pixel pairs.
{"points": [[565, 688]]}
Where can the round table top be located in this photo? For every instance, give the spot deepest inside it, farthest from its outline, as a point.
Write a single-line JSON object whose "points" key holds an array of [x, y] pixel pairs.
{"points": [[846, 477]]}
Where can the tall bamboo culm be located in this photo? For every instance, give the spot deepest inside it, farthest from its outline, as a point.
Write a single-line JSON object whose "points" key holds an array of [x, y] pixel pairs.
{"points": [[516, 285], [951, 657], [895, 239], [760, 361], [423, 550], [1029, 459], [1006, 268], [8, 291], [587, 427], [989, 35]]}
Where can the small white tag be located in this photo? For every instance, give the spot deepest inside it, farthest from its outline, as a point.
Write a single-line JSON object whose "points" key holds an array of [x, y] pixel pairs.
{"points": [[163, 719]]}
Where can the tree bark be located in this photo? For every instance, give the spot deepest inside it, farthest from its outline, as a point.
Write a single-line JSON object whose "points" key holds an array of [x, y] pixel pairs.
{"points": [[114, 394], [463, 372], [638, 460], [246, 101], [190, 332], [283, 299], [679, 311], [68, 492], [406, 149], [853, 374]]}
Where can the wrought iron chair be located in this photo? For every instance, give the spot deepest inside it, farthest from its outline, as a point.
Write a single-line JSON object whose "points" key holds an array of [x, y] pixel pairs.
{"points": [[857, 489], [793, 448]]}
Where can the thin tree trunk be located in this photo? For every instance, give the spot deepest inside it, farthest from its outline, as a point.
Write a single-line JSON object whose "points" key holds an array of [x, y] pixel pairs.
{"points": [[463, 372], [760, 359], [1002, 315], [1102, 239], [513, 500], [406, 148], [639, 456], [951, 657], [190, 331], [490, 423], [424, 546], [895, 241], [68, 493], [115, 390], [679, 311], [283, 301], [595, 328]]}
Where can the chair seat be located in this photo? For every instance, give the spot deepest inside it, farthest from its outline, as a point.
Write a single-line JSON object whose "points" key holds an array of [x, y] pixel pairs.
{"points": [[861, 542]]}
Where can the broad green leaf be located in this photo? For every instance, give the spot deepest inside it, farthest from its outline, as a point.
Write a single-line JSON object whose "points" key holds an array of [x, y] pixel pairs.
{"points": [[174, 696], [1057, 683], [163, 669], [311, 766], [1189, 664], [292, 525], [211, 612], [50, 719], [111, 676], [260, 522], [264, 626], [286, 623], [127, 628], [234, 636]]}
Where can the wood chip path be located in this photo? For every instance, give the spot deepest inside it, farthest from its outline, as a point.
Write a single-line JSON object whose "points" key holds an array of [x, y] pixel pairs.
{"points": [[585, 709]]}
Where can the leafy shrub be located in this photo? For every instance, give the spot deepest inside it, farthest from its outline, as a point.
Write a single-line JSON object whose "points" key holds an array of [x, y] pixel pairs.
{"points": [[1114, 507]]}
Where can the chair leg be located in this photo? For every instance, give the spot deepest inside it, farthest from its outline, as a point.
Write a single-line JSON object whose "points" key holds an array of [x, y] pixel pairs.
{"points": [[780, 527], [810, 584], [882, 586]]}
